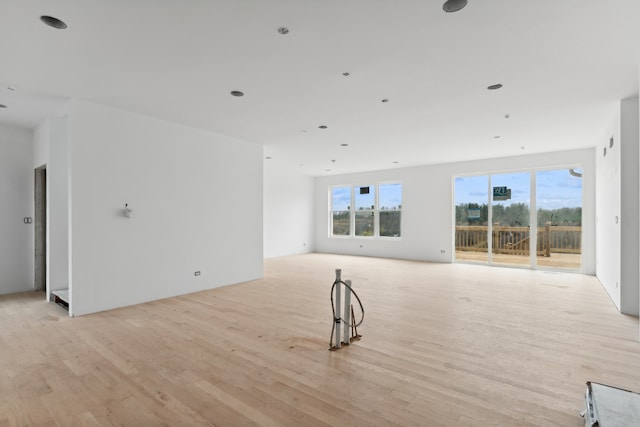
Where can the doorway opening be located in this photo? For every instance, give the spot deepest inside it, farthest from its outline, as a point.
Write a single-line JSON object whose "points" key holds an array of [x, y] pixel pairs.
{"points": [[40, 229]]}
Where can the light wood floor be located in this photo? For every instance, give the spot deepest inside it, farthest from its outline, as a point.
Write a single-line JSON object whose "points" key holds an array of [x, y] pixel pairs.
{"points": [[443, 344]]}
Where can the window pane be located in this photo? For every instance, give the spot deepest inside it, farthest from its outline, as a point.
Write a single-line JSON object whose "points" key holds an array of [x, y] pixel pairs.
{"points": [[390, 197], [365, 197], [364, 223], [472, 218], [340, 198], [559, 203], [341, 223], [390, 223]]}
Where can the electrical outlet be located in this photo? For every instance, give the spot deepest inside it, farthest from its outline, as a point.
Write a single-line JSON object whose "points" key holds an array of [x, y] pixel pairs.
{"points": [[197, 273]]}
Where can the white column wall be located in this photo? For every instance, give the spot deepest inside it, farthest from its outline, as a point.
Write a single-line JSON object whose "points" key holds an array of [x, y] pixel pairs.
{"points": [[288, 212], [630, 233], [16, 203], [617, 208], [197, 206], [427, 206]]}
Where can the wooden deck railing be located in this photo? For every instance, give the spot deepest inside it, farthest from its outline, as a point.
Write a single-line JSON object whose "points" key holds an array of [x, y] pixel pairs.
{"points": [[515, 240]]}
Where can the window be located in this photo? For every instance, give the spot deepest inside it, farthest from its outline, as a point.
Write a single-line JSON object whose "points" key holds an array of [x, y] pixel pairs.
{"points": [[365, 210], [376, 210], [341, 217], [390, 205]]}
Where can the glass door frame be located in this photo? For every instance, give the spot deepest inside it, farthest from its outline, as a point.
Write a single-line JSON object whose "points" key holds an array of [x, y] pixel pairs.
{"points": [[533, 216]]}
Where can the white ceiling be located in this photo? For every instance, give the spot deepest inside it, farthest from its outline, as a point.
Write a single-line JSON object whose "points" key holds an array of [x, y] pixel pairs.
{"points": [[563, 64]]}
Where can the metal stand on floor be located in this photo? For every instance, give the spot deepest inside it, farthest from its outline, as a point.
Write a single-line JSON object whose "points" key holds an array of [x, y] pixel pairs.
{"points": [[350, 331], [607, 406]]}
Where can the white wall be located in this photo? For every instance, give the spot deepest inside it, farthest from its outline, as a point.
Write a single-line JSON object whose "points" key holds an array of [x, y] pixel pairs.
{"points": [[58, 201], [197, 206], [288, 212], [630, 207], [427, 206], [608, 209], [41, 145], [16, 203], [617, 191]]}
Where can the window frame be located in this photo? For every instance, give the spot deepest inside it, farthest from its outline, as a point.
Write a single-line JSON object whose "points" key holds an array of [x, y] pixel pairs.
{"points": [[353, 188]]}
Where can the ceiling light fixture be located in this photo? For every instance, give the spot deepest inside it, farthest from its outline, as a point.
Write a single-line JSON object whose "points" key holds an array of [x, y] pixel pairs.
{"points": [[283, 30], [322, 127], [53, 22], [495, 86], [346, 74], [453, 5], [344, 145], [237, 93]]}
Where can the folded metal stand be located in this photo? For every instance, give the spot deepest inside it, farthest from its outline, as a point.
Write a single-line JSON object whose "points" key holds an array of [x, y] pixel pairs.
{"points": [[607, 406]]}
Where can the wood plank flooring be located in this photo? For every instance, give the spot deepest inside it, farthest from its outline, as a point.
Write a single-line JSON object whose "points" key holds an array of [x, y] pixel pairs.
{"points": [[443, 345]]}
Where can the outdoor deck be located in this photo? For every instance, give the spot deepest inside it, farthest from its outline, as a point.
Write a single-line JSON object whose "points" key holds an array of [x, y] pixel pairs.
{"points": [[555, 261], [558, 247]]}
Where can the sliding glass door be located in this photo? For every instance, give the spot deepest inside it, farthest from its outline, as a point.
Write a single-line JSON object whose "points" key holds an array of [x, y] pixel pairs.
{"points": [[472, 218], [510, 219], [526, 219], [559, 204]]}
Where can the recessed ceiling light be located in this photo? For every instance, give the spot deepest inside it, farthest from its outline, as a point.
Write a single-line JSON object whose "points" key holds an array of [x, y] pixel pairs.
{"points": [[283, 30], [237, 93], [322, 127], [453, 5], [495, 86], [53, 22], [3, 106]]}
